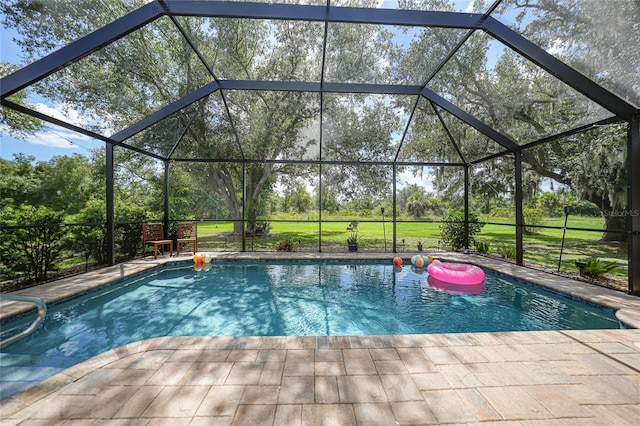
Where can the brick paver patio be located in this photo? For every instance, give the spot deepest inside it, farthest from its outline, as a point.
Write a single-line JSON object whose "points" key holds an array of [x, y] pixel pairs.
{"points": [[568, 377]]}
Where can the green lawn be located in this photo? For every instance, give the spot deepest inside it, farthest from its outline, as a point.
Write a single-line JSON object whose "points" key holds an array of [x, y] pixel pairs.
{"points": [[543, 247]]}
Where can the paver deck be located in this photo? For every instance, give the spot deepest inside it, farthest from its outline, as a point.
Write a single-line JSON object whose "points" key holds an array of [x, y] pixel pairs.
{"points": [[550, 377], [544, 377]]}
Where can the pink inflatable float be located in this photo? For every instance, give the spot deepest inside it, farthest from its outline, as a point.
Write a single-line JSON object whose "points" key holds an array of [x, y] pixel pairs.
{"points": [[455, 288], [456, 273]]}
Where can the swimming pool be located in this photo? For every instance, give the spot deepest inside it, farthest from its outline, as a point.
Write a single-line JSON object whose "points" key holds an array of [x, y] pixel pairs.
{"points": [[270, 299]]}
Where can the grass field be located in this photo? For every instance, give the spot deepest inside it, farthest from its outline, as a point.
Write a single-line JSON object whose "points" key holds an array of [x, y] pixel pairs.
{"points": [[543, 247]]}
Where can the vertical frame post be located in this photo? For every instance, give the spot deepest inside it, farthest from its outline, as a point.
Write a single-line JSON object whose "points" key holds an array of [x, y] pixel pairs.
{"points": [[519, 215], [165, 218], [320, 208], [244, 206], [633, 203], [395, 212], [109, 198], [466, 208]]}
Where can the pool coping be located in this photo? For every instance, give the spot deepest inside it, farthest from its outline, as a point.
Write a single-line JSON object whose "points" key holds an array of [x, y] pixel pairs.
{"points": [[626, 307]]}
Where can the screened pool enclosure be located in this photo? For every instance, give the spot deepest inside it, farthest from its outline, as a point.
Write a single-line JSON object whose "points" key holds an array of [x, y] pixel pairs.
{"points": [[474, 100]]}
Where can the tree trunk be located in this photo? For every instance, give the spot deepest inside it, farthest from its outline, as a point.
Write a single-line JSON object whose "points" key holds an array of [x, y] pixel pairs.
{"points": [[614, 220], [220, 178], [614, 223]]}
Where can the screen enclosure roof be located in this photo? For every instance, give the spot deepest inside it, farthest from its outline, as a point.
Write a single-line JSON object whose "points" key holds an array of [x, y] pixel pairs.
{"points": [[403, 82]]}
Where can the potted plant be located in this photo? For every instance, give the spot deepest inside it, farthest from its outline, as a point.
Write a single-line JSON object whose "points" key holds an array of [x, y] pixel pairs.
{"points": [[419, 245], [352, 241]]}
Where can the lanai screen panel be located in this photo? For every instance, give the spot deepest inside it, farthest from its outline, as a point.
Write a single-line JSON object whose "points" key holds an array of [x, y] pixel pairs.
{"points": [[276, 125], [163, 137], [597, 38], [123, 82], [295, 191], [511, 94], [258, 49], [426, 140], [598, 187], [472, 144], [359, 53], [420, 51], [385, 54], [364, 128], [192, 195], [491, 192], [357, 187], [47, 135], [210, 136]]}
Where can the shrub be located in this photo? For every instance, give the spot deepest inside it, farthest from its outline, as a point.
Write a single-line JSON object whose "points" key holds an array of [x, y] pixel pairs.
{"points": [[129, 233], [92, 241], [501, 212], [285, 244], [452, 230], [265, 226], [532, 218], [595, 268], [482, 246], [582, 208], [507, 251], [550, 202], [37, 246]]}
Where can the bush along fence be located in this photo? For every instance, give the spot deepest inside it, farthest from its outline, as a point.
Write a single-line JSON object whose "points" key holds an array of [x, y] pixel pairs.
{"points": [[37, 252]]}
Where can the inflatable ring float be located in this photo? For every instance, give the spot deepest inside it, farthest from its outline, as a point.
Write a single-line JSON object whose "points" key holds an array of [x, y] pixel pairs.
{"points": [[456, 273]]}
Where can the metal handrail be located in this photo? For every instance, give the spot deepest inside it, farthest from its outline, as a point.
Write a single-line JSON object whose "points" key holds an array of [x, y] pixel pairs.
{"points": [[42, 312]]}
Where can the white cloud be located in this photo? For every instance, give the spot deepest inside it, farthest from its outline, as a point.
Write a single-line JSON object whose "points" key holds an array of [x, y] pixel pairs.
{"points": [[68, 114], [51, 136], [49, 139], [61, 112], [407, 178]]}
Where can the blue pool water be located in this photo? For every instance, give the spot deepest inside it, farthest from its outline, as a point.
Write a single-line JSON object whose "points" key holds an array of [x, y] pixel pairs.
{"points": [[279, 299]]}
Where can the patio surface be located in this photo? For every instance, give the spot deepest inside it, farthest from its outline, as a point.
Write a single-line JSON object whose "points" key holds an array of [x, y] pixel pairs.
{"points": [[543, 377]]}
